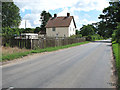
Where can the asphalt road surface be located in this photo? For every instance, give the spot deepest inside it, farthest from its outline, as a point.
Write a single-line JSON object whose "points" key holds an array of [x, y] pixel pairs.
{"points": [[84, 66]]}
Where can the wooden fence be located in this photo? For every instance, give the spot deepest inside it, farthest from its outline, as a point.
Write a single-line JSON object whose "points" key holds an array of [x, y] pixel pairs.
{"points": [[43, 43]]}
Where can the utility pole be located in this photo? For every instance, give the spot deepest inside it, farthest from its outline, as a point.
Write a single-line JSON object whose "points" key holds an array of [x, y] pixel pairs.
{"points": [[25, 24]]}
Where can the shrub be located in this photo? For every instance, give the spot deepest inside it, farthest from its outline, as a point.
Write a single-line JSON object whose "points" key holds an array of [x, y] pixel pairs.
{"points": [[93, 37], [116, 34], [88, 38], [77, 36], [10, 33]]}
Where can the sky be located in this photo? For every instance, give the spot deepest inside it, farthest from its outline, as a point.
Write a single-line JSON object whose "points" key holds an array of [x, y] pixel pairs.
{"points": [[84, 11]]}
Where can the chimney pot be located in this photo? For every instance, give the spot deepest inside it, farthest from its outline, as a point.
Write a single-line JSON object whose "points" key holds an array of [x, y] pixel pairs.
{"points": [[68, 14], [55, 15]]}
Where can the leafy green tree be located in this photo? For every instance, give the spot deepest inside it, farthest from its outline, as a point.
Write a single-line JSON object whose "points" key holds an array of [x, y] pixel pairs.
{"points": [[117, 33], [44, 18], [87, 30], [9, 33], [37, 30], [21, 30], [10, 15], [110, 17], [102, 29], [77, 32], [28, 30]]}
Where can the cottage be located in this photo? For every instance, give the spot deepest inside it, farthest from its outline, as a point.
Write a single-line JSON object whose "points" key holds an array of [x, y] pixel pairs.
{"points": [[61, 26]]}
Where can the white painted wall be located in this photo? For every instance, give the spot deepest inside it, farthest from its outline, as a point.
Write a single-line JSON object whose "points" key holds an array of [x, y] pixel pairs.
{"points": [[72, 28], [62, 31]]}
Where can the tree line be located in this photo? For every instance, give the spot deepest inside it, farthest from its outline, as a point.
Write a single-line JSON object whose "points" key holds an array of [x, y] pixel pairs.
{"points": [[109, 26]]}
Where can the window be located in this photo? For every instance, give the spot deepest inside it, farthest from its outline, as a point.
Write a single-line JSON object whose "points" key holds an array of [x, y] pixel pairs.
{"points": [[53, 29]]}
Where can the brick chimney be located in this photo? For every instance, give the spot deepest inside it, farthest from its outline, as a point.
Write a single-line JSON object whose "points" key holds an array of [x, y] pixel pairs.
{"points": [[68, 14], [55, 15]]}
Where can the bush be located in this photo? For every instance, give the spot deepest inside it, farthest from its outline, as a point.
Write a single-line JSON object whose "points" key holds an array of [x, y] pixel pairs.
{"points": [[116, 34], [93, 37], [88, 38], [76, 36], [10, 33], [87, 30], [37, 30]]}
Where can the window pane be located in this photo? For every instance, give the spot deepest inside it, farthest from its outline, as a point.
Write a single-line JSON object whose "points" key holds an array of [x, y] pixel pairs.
{"points": [[53, 28]]}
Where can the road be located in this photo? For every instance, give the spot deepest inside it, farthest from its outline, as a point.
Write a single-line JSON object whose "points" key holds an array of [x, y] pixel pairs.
{"points": [[84, 66]]}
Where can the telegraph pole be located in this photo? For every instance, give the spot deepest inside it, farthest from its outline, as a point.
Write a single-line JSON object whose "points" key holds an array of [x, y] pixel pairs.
{"points": [[25, 24]]}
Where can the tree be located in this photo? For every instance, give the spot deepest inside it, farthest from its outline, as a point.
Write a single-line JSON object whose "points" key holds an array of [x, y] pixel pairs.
{"points": [[37, 30], [44, 17], [10, 15], [9, 33], [117, 33], [77, 32], [87, 30], [110, 17], [102, 29], [28, 30]]}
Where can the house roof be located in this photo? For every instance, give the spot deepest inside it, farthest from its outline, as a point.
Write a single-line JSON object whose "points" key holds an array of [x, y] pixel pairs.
{"points": [[60, 22]]}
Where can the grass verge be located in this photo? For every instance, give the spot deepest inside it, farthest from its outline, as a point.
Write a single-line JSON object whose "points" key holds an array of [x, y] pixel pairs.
{"points": [[116, 52], [22, 54]]}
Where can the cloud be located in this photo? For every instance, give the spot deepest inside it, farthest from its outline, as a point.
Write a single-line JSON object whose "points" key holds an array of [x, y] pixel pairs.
{"points": [[87, 5], [28, 24], [79, 21], [32, 21], [85, 22], [82, 22], [37, 6]]}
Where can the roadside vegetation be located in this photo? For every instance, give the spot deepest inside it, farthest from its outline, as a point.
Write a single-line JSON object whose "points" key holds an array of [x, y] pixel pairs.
{"points": [[14, 53], [9, 50], [89, 32], [116, 52]]}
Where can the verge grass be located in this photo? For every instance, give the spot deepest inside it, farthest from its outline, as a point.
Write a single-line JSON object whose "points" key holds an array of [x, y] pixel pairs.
{"points": [[116, 52], [15, 55]]}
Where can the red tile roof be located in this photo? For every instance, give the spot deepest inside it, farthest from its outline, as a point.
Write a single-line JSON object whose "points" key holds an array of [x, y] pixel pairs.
{"points": [[60, 22]]}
